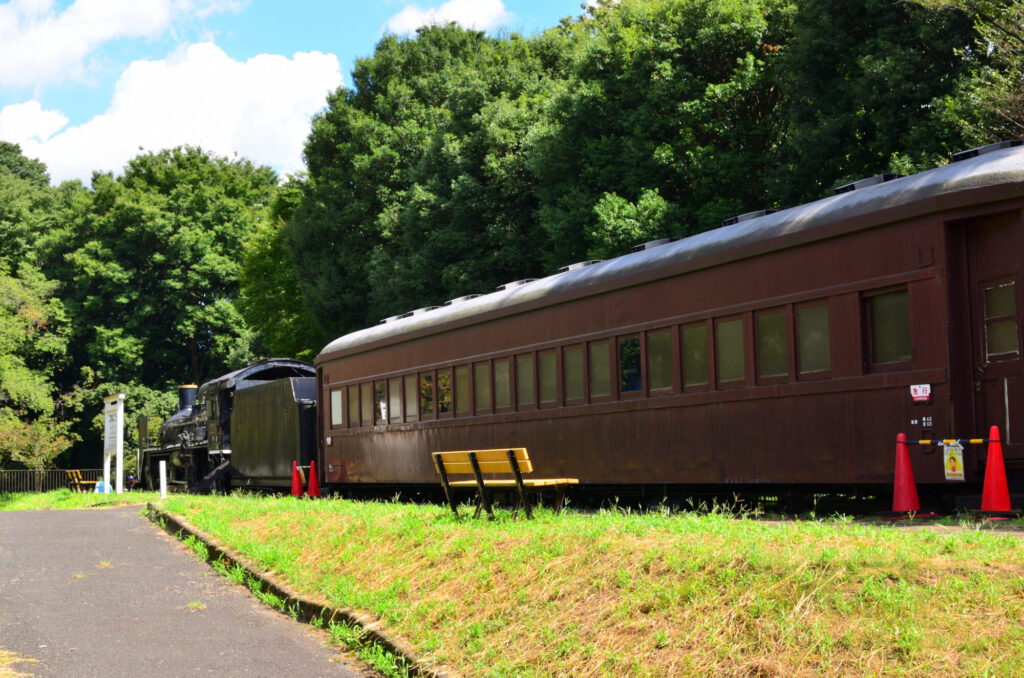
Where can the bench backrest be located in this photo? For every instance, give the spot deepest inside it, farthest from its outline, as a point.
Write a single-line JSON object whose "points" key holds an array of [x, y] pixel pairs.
{"points": [[490, 461]]}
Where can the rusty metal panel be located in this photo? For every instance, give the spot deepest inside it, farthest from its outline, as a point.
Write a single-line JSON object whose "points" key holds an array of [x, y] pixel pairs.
{"points": [[273, 424]]}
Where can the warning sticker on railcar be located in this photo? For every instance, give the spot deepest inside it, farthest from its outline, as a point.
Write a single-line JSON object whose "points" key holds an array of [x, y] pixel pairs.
{"points": [[921, 393], [953, 461]]}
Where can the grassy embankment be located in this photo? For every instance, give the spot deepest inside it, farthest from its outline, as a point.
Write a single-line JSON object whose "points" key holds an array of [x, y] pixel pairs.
{"points": [[66, 499], [649, 595], [652, 595]]}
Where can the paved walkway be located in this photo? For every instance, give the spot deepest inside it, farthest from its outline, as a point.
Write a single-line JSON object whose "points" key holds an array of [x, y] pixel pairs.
{"points": [[105, 593]]}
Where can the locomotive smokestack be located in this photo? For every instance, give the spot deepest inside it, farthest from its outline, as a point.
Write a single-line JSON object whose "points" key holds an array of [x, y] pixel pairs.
{"points": [[186, 396]]}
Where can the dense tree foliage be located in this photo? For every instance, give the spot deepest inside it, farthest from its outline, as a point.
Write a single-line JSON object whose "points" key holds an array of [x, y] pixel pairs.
{"points": [[417, 187], [270, 299], [990, 105], [863, 82]]}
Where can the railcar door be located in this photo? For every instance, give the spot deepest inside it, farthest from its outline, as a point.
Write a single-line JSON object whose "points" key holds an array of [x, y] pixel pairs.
{"points": [[996, 294]]}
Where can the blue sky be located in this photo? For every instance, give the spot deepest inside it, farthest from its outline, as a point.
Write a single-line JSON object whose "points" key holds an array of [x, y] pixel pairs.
{"points": [[85, 84]]}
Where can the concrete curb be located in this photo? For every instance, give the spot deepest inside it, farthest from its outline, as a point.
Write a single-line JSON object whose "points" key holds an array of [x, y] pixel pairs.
{"points": [[306, 608]]}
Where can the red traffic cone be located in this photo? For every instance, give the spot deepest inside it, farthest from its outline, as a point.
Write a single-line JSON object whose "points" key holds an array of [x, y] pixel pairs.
{"points": [[904, 491], [995, 494], [314, 485], [296, 480]]}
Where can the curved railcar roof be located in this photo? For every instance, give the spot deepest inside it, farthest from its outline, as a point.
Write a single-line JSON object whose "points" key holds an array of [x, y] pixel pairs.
{"points": [[993, 176], [264, 370]]}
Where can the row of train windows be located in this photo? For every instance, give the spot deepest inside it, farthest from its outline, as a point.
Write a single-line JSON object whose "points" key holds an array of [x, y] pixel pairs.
{"points": [[630, 366]]}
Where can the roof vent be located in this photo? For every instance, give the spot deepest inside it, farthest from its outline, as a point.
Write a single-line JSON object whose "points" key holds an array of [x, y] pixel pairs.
{"points": [[652, 243], [982, 150], [864, 183], [743, 217], [514, 283], [579, 264], [392, 319], [418, 311], [459, 300]]}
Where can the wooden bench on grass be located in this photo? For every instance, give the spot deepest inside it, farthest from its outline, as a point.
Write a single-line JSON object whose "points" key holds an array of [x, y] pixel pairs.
{"points": [[512, 462], [76, 483]]}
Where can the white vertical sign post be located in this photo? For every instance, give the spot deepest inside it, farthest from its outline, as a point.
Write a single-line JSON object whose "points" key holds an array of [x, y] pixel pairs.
{"points": [[113, 439], [163, 479]]}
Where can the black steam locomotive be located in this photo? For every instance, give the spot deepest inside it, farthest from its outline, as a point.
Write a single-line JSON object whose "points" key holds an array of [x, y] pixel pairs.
{"points": [[241, 429]]}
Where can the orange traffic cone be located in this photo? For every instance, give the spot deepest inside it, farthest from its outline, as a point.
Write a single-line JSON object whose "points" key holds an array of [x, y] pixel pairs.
{"points": [[296, 480], [995, 494], [904, 492], [314, 485]]}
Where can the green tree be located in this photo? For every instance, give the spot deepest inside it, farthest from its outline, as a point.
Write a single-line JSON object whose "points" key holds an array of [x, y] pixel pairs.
{"points": [[271, 299], [33, 345], [861, 81], [670, 111], [151, 269], [990, 105], [417, 188]]}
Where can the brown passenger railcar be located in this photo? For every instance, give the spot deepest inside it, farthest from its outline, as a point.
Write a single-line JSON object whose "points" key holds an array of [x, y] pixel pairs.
{"points": [[777, 350]]}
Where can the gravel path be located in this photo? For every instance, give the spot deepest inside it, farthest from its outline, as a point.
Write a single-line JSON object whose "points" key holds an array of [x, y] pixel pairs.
{"points": [[106, 593]]}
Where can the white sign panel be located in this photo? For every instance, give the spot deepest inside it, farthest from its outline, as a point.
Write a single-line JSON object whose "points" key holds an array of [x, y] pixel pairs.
{"points": [[113, 439], [953, 461]]}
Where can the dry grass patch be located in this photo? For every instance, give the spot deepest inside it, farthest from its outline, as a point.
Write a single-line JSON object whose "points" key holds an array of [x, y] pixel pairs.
{"points": [[653, 595], [8, 659]]}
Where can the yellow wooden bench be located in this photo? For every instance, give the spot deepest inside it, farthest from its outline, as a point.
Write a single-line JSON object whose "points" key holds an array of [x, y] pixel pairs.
{"points": [[76, 483], [509, 461]]}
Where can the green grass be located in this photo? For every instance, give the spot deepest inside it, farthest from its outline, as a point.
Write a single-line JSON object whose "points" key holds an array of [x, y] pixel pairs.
{"points": [[616, 593], [66, 499]]}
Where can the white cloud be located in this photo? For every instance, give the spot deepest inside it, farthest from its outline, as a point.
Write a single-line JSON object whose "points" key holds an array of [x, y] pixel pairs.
{"points": [[26, 122], [477, 14], [40, 44], [259, 109]]}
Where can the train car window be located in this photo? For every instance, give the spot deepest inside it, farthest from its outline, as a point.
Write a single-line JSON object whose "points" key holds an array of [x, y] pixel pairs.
{"points": [[502, 384], [411, 398], [731, 359], [772, 346], [1000, 321], [482, 386], [353, 406], [659, 360], [337, 416], [547, 377], [395, 399], [695, 356], [572, 366], [366, 404], [462, 389], [630, 376], [426, 395], [600, 370], [444, 392], [380, 403], [889, 318], [813, 345], [524, 381]]}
